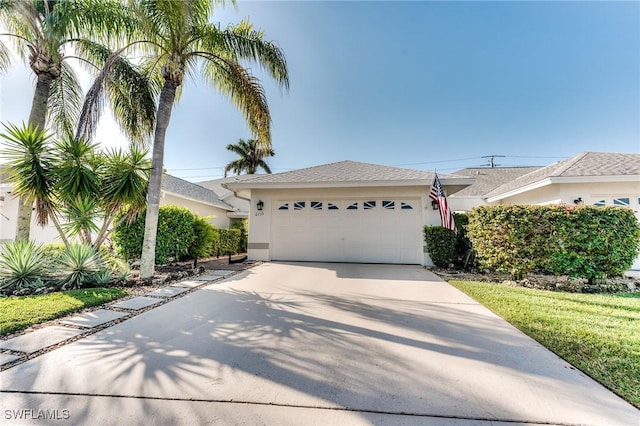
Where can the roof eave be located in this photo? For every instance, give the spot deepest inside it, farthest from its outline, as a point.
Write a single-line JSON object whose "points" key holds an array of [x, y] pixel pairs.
{"points": [[236, 186], [218, 205], [520, 190]]}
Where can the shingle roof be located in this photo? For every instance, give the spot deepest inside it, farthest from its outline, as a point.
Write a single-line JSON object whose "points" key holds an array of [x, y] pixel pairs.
{"points": [[488, 179], [345, 172], [215, 185], [193, 191], [582, 165]]}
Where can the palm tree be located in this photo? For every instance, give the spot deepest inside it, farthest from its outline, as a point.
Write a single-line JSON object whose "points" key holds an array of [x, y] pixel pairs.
{"points": [[251, 157], [47, 34], [71, 176], [177, 39]]}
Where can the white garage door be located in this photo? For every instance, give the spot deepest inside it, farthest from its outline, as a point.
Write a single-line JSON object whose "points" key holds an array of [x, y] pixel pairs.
{"points": [[368, 231]]}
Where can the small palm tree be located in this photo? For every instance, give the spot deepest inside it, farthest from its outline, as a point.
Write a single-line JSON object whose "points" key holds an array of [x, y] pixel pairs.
{"points": [[48, 34], [70, 177], [177, 40], [251, 155]]}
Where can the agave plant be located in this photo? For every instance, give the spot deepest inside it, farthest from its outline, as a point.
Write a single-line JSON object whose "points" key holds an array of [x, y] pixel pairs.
{"points": [[102, 277], [22, 266], [78, 266]]}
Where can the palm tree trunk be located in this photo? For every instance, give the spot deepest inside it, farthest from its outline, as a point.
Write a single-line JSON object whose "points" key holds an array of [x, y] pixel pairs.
{"points": [[163, 116], [37, 118]]}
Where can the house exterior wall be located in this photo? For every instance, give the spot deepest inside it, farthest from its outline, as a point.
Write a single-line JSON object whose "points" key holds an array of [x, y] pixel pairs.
{"points": [[590, 192], [9, 216], [260, 222], [215, 215]]}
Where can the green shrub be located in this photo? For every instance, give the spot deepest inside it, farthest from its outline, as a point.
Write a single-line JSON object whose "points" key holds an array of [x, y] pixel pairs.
{"points": [[243, 226], [78, 266], [205, 236], [463, 243], [583, 241], [229, 241], [53, 251], [441, 245], [174, 237], [22, 266]]}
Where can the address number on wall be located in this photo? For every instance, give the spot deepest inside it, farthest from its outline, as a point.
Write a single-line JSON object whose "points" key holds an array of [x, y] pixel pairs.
{"points": [[259, 213]]}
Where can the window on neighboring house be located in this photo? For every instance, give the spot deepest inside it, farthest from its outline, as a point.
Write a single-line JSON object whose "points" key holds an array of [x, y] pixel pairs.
{"points": [[389, 205], [285, 206], [621, 202], [405, 206], [331, 206], [299, 205], [368, 205], [353, 206], [316, 205], [600, 203]]}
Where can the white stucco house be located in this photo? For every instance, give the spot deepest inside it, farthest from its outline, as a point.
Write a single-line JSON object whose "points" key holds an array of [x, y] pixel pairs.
{"points": [[342, 212], [175, 191]]}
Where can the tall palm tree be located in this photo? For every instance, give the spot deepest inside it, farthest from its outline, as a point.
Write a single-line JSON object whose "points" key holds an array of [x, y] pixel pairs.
{"points": [[49, 33], [251, 158], [177, 39]]}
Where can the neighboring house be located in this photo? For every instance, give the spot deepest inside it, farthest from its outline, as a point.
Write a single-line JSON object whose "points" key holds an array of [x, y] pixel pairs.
{"points": [[175, 191], [486, 180], [240, 205], [591, 178], [342, 212]]}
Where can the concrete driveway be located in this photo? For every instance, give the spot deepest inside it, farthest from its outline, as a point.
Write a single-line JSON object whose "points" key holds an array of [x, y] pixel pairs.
{"points": [[311, 344]]}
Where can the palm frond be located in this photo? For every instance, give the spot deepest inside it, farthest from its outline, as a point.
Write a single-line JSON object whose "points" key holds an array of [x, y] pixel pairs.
{"points": [[29, 164], [5, 58], [75, 169], [65, 98], [244, 90], [242, 42], [81, 213], [130, 89]]}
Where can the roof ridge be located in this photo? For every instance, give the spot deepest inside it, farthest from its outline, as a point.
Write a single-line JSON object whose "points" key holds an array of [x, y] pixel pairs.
{"points": [[569, 163]]}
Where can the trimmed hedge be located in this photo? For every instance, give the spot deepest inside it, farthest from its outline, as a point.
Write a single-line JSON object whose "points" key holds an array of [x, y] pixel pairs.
{"points": [[180, 234], [229, 241], [441, 245], [582, 241], [205, 236], [174, 237]]}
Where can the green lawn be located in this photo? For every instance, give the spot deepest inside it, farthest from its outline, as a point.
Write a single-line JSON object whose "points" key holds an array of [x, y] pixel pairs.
{"points": [[18, 313], [598, 333]]}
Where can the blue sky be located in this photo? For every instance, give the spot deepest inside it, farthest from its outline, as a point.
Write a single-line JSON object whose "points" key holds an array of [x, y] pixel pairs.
{"points": [[419, 84]]}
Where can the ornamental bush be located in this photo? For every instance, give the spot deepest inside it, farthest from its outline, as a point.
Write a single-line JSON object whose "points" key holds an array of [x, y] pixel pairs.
{"points": [[205, 236], [581, 241], [441, 245], [174, 237], [229, 241]]}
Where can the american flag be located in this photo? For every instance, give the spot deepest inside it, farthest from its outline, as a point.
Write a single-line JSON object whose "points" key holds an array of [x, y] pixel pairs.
{"points": [[437, 195]]}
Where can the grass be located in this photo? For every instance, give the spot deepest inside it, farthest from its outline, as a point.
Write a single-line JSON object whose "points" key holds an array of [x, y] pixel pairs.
{"points": [[598, 333], [18, 313]]}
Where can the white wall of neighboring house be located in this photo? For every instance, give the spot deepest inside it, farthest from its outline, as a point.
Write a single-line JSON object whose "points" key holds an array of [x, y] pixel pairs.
{"points": [[215, 215], [9, 215]]}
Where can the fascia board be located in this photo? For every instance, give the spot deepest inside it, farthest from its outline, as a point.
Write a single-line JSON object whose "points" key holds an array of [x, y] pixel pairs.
{"points": [[346, 184], [175, 194], [520, 190], [595, 179]]}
